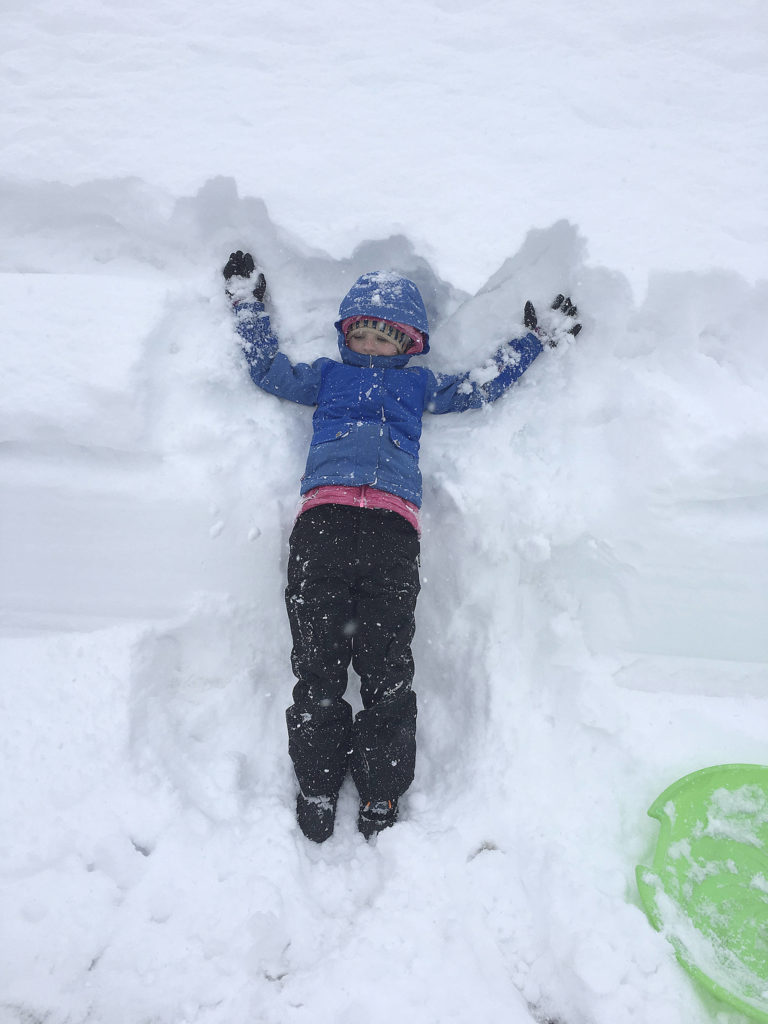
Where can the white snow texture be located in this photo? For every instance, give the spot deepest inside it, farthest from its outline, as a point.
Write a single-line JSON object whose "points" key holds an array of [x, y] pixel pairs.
{"points": [[592, 623]]}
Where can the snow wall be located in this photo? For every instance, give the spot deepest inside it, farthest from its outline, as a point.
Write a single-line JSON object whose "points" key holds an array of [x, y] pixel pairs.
{"points": [[591, 627]]}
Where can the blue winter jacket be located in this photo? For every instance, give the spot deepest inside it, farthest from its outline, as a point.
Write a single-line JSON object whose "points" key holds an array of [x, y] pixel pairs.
{"points": [[367, 420]]}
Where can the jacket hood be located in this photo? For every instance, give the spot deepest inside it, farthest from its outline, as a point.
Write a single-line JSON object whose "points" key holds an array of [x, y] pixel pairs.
{"points": [[386, 296]]}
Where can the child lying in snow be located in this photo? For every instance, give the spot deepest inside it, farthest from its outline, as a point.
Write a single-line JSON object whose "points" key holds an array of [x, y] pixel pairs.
{"points": [[353, 569]]}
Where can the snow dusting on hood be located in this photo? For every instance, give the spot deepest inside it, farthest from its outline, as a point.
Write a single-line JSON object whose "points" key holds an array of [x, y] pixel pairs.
{"points": [[387, 296]]}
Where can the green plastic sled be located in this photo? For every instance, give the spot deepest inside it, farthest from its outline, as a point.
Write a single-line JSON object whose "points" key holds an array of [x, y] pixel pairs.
{"points": [[707, 889]]}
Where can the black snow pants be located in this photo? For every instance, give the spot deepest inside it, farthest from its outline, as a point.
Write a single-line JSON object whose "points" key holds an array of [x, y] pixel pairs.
{"points": [[353, 580]]}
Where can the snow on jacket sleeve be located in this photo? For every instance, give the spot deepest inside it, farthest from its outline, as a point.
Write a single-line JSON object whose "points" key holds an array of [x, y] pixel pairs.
{"points": [[447, 392], [271, 369]]}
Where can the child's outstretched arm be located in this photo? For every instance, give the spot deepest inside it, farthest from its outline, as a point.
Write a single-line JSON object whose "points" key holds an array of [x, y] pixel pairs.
{"points": [[269, 368], [458, 392]]}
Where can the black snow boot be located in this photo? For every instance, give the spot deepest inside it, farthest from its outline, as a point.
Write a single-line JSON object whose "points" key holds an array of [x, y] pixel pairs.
{"points": [[316, 816], [376, 815]]}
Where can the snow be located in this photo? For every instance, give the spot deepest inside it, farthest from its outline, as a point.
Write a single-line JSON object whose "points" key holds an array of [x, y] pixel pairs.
{"points": [[591, 625]]}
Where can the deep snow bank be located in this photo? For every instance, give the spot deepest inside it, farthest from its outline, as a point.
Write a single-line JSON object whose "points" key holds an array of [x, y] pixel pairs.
{"points": [[591, 626]]}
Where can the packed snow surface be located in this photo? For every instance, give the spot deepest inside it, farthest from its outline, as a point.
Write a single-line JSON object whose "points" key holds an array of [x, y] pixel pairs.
{"points": [[591, 625]]}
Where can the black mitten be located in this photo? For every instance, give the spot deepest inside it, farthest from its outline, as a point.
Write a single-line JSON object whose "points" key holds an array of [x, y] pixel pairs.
{"points": [[568, 310], [237, 272], [561, 321]]}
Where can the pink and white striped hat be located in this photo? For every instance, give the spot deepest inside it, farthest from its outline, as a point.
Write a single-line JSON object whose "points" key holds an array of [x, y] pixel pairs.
{"points": [[391, 328]]}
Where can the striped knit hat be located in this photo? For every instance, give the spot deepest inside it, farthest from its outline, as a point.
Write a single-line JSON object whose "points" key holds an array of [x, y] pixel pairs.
{"points": [[406, 338]]}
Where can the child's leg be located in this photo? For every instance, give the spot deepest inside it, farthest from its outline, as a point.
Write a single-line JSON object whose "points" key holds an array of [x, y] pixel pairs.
{"points": [[320, 609], [384, 732]]}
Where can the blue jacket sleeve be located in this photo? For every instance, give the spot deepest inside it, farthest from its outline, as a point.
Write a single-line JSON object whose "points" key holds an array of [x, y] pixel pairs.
{"points": [[270, 369], [448, 392]]}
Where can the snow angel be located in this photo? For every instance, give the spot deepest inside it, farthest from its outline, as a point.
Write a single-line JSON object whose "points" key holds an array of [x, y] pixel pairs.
{"points": [[353, 569]]}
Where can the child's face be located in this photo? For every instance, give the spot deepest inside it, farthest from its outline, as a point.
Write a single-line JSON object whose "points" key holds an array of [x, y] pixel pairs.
{"points": [[370, 342]]}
